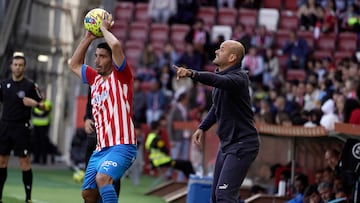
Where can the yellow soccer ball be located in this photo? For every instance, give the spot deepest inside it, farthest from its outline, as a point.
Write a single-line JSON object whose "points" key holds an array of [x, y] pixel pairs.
{"points": [[93, 20], [78, 176]]}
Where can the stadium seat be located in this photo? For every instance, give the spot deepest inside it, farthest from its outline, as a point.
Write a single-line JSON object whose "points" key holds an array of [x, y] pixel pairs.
{"points": [[281, 37], [288, 20], [290, 5], [277, 4], [227, 16], [269, 17], [208, 14], [120, 29], [133, 49], [224, 30], [298, 74], [321, 54], [326, 42], [338, 56], [141, 12], [138, 30], [177, 36], [347, 41], [159, 32], [248, 17], [282, 61], [124, 10]]}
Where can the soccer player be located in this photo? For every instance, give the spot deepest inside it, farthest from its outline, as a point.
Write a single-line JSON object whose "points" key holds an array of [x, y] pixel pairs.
{"points": [[111, 99], [231, 110], [18, 96]]}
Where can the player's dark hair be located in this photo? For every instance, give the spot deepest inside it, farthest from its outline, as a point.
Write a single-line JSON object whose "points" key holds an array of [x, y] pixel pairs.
{"points": [[19, 57], [104, 45]]}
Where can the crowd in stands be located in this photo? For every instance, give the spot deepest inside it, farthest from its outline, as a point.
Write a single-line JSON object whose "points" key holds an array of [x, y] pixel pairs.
{"points": [[304, 72]]}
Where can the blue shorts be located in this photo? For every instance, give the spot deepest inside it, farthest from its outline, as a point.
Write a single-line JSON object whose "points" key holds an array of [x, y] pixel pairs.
{"points": [[112, 161]]}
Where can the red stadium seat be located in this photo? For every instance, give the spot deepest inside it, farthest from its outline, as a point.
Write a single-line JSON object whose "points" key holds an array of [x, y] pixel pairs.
{"points": [[298, 74], [321, 54], [288, 20], [141, 12], [159, 32], [138, 30], [326, 42], [347, 41], [133, 50], [124, 10], [290, 5], [248, 17], [338, 56], [208, 14], [273, 4], [120, 29], [158, 47], [227, 16], [281, 37], [177, 36]]}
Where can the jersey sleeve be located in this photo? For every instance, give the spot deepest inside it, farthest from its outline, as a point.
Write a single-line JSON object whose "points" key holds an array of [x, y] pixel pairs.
{"points": [[124, 70], [88, 74], [34, 92]]}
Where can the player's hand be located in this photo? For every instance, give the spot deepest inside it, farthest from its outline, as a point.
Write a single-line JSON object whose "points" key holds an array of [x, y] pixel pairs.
{"points": [[181, 72], [89, 35], [197, 137], [89, 129], [27, 101], [108, 21]]}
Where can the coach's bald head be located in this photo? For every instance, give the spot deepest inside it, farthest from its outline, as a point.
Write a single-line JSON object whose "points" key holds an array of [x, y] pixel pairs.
{"points": [[231, 52]]}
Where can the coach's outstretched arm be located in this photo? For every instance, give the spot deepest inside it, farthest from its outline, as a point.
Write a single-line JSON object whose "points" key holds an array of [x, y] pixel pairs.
{"points": [[77, 60], [112, 41]]}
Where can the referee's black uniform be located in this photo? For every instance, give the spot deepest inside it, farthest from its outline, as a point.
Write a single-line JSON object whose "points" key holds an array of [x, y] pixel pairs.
{"points": [[15, 120], [15, 127]]}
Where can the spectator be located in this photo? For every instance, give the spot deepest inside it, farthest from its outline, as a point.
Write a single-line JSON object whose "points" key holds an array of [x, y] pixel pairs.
{"points": [[330, 19], [273, 76], [186, 12], [169, 55], [325, 191], [301, 183], [311, 97], [148, 58], [179, 138], [198, 36], [155, 102], [298, 50], [241, 35], [309, 14], [329, 118], [332, 158], [161, 10], [262, 39], [254, 63], [158, 152], [311, 195], [191, 58], [139, 102]]}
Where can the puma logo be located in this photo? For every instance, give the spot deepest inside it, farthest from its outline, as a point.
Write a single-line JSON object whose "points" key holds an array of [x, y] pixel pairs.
{"points": [[223, 187]]}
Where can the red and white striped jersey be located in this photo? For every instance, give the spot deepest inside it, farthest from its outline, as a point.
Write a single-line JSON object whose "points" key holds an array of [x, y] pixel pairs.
{"points": [[111, 101]]}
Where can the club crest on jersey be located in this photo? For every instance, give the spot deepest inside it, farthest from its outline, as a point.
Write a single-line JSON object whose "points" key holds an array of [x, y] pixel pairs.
{"points": [[8, 85]]}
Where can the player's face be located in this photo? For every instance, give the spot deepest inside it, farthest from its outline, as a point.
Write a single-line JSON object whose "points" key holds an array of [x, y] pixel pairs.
{"points": [[18, 68], [103, 61]]}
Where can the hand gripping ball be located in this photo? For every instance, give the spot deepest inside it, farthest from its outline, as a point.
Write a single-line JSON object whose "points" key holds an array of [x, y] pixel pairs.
{"points": [[93, 20]]}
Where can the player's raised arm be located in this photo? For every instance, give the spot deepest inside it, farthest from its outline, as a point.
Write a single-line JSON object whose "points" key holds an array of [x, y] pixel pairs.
{"points": [[77, 60], [112, 41]]}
